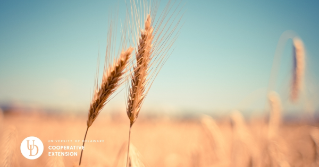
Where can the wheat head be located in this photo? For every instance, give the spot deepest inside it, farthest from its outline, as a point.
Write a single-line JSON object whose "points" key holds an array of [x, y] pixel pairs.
{"points": [[139, 77], [298, 68], [112, 78], [153, 41]]}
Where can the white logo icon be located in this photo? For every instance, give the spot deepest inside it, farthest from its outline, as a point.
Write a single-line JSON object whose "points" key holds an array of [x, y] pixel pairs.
{"points": [[31, 147]]}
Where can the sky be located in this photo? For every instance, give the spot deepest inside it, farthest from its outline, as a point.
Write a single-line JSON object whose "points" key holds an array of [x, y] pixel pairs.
{"points": [[221, 61]]}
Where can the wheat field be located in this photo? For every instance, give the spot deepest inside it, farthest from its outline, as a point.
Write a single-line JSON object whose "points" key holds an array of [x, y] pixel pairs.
{"points": [[227, 141], [231, 140]]}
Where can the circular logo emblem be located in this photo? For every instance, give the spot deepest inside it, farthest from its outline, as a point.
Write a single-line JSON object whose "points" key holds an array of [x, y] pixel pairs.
{"points": [[31, 147]]}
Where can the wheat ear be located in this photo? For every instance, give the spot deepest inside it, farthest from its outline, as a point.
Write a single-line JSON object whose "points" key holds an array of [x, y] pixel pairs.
{"points": [[139, 76], [136, 94], [112, 79], [298, 68]]}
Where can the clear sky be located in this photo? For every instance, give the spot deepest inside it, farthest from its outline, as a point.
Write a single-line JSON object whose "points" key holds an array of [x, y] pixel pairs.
{"points": [[222, 58]]}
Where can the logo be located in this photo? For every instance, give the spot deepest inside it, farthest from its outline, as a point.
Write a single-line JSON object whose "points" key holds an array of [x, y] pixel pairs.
{"points": [[31, 147]]}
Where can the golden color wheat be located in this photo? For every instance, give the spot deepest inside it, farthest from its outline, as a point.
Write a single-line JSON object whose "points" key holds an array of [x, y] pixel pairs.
{"points": [[139, 77], [298, 68], [152, 46], [112, 78]]}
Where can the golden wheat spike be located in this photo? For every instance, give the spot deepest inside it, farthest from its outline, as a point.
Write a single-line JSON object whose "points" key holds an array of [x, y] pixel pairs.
{"points": [[298, 68], [138, 79], [112, 78]]}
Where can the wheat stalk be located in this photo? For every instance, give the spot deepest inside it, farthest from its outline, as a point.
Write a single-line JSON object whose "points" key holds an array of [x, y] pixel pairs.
{"points": [[314, 134], [138, 79], [217, 136], [1, 120], [9, 145], [274, 149], [122, 150], [134, 158], [153, 44], [298, 68], [114, 74], [275, 114], [112, 78], [245, 135]]}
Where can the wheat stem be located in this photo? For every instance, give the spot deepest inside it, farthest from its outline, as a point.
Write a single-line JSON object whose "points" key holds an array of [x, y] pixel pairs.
{"points": [[83, 145], [128, 144]]}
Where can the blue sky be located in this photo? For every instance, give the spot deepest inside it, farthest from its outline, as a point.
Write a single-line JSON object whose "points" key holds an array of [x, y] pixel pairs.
{"points": [[222, 58]]}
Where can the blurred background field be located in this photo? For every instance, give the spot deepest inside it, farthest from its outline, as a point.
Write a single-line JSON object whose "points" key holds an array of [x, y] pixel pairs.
{"points": [[231, 140]]}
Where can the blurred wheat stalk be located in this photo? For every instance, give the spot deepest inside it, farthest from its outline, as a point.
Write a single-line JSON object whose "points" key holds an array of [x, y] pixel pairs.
{"points": [[9, 148], [299, 64]]}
